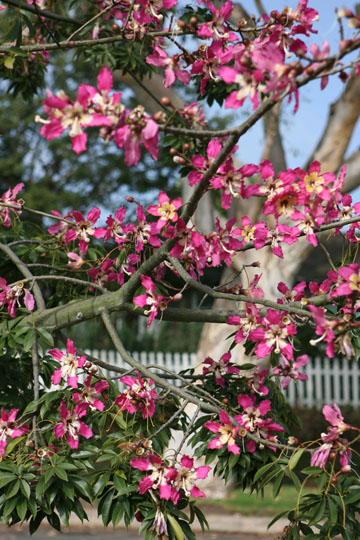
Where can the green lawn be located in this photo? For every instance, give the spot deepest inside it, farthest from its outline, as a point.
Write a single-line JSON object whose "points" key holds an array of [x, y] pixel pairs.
{"points": [[252, 504]]}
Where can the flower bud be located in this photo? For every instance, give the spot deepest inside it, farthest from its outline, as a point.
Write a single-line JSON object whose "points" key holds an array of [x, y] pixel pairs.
{"points": [[187, 147], [193, 21], [159, 116], [173, 152], [179, 160], [180, 24], [165, 101]]}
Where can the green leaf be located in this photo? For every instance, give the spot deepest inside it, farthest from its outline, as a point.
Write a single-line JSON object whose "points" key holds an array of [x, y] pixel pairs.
{"points": [[29, 340], [176, 527], [61, 473], [25, 488], [13, 489], [6, 479], [9, 62], [105, 507], [294, 460], [333, 513], [47, 337], [117, 514], [312, 470], [260, 472], [353, 497], [318, 512], [277, 484], [21, 509]]}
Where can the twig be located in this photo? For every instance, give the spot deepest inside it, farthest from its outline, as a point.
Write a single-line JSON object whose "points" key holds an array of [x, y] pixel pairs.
{"points": [[42, 12], [186, 434], [163, 426], [78, 30], [90, 42], [64, 278]]}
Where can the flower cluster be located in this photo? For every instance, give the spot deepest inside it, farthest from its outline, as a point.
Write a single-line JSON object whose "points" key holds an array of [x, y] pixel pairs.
{"points": [[95, 107], [172, 482], [140, 396], [70, 423], [333, 444]]}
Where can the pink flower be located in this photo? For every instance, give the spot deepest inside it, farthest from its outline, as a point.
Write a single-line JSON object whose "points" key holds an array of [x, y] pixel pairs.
{"points": [[11, 296], [151, 299], [219, 368], [138, 129], [9, 197], [227, 433], [8, 428], [87, 395], [290, 370], [160, 58], [84, 229], [348, 281], [71, 426], [186, 476], [165, 210], [140, 396], [275, 335], [321, 455], [70, 362], [160, 476]]}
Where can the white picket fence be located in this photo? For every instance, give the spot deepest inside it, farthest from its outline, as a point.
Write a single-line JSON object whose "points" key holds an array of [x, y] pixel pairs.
{"points": [[328, 381]]}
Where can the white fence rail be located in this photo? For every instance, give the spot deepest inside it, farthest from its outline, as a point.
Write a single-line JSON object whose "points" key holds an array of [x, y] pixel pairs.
{"points": [[328, 381]]}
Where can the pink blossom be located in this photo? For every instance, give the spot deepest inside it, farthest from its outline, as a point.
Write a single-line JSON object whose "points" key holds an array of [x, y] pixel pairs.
{"points": [[71, 426], [165, 210], [138, 129], [219, 368], [186, 476], [84, 229], [9, 197], [151, 299], [10, 296], [275, 335], [88, 394], [140, 396], [290, 370], [172, 71], [160, 476], [8, 428], [70, 363], [227, 433]]}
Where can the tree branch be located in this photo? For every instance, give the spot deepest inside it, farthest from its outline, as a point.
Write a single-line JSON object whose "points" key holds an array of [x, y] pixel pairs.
{"points": [[42, 12]]}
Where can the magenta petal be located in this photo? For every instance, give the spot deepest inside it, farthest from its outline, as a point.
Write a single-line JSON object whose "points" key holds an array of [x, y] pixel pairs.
{"points": [[105, 80], [85, 431], [202, 472], [29, 300], [145, 484], [187, 461], [165, 491], [140, 463], [195, 492]]}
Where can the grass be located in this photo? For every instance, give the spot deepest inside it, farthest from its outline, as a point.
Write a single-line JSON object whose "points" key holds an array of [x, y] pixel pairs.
{"points": [[247, 503]]}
